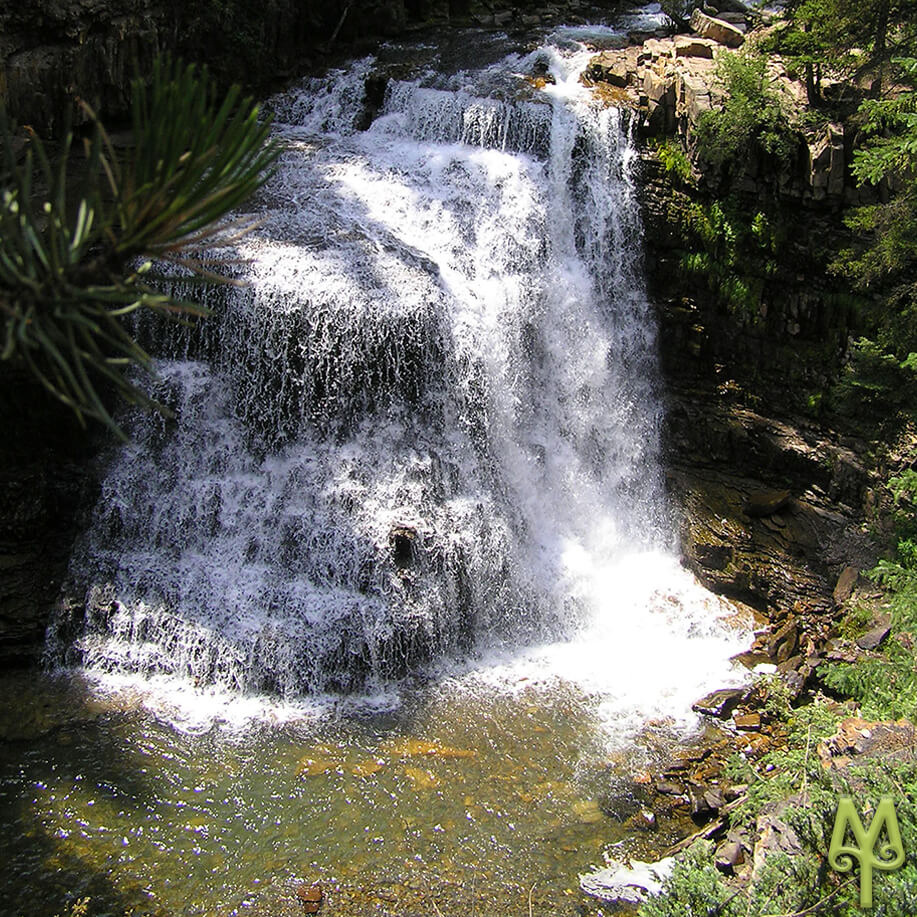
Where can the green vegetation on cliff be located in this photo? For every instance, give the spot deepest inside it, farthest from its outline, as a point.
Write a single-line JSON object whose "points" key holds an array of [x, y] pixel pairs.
{"points": [[733, 246], [734, 197], [885, 685], [752, 115], [882, 265], [870, 261]]}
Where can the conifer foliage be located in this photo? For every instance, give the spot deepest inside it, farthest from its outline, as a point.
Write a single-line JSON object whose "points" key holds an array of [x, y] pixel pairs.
{"points": [[78, 255]]}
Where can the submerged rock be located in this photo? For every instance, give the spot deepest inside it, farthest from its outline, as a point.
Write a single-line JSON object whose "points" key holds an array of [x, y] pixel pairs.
{"points": [[311, 897], [412, 748]]}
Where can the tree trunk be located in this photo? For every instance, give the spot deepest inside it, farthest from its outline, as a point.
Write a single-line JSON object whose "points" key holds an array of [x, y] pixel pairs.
{"points": [[879, 47]]}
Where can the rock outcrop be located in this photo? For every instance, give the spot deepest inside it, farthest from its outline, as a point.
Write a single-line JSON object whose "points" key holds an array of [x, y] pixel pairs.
{"points": [[44, 480], [672, 82], [722, 460], [716, 29]]}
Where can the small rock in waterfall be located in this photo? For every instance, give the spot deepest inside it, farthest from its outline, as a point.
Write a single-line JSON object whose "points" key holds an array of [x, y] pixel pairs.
{"points": [[402, 539], [373, 98], [541, 72], [720, 703], [627, 884]]}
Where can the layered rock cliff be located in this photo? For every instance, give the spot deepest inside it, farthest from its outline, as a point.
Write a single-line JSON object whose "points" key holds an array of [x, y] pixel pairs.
{"points": [[775, 493]]}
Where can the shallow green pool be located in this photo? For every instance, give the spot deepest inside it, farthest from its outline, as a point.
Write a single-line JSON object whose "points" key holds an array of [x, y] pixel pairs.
{"points": [[464, 800]]}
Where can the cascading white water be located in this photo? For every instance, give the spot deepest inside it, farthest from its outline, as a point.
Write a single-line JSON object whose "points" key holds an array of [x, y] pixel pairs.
{"points": [[427, 428]]}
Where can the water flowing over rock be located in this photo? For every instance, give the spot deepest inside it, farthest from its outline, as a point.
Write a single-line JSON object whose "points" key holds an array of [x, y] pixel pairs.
{"points": [[427, 424]]}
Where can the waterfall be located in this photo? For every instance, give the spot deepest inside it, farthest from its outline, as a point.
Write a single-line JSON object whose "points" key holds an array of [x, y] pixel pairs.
{"points": [[425, 429]]}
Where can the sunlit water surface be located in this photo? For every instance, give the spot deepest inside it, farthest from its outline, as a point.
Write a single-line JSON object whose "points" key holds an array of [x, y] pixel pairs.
{"points": [[463, 794]]}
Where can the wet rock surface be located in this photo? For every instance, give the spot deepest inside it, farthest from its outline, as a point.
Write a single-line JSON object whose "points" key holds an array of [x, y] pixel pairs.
{"points": [[44, 485], [772, 548]]}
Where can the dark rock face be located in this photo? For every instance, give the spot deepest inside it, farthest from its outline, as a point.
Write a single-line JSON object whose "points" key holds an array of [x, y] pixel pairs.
{"points": [[54, 53], [720, 457], [44, 484], [772, 499]]}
